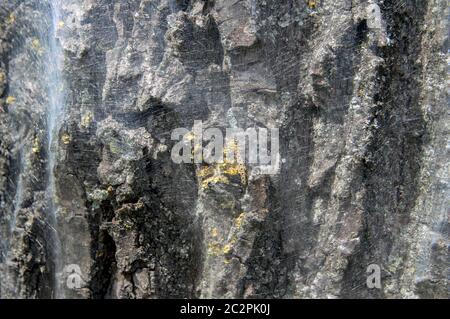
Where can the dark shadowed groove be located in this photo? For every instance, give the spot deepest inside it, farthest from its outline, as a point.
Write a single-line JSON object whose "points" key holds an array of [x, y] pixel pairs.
{"points": [[395, 149]]}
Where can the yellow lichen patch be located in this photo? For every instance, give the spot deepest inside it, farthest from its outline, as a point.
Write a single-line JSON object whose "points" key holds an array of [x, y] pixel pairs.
{"points": [[189, 136], [37, 46], [11, 18], [217, 173], [312, 4], [197, 149], [36, 145], [128, 224], [238, 220], [10, 100], [86, 120], [214, 249], [226, 249], [361, 92], [205, 171], [114, 147], [214, 232], [65, 138], [2, 77], [60, 25], [139, 205], [235, 169], [110, 190]]}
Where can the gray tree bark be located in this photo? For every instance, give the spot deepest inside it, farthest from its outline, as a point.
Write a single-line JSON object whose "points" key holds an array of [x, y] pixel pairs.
{"points": [[358, 90]]}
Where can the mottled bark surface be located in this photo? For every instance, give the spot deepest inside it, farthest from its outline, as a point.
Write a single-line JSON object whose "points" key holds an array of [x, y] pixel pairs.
{"points": [[361, 103]]}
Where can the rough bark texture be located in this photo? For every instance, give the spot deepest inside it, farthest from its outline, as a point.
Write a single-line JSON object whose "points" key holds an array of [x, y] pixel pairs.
{"points": [[361, 103]]}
